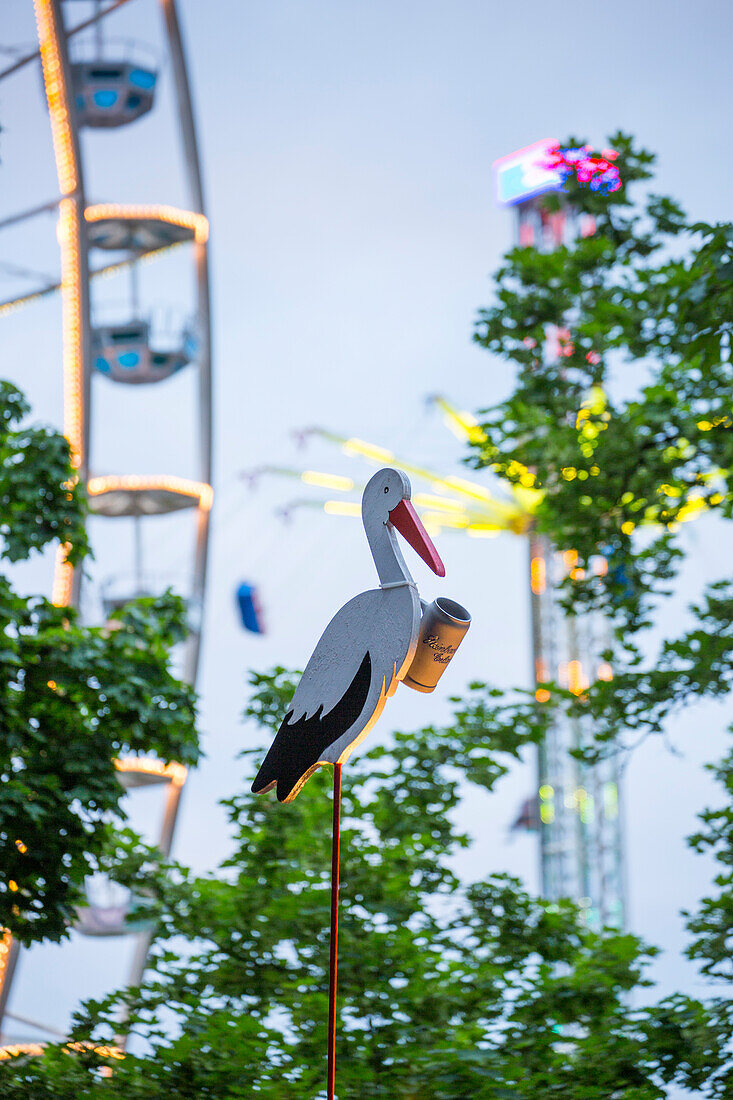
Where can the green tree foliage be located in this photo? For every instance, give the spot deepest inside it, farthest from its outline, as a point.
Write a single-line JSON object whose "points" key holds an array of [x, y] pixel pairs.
{"points": [[449, 988], [72, 698], [627, 432], [644, 308]]}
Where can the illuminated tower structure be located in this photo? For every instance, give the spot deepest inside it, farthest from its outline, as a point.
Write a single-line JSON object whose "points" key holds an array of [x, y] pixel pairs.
{"points": [[93, 84], [578, 806]]}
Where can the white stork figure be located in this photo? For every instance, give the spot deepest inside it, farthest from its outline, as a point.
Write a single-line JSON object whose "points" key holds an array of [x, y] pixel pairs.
{"points": [[364, 652]]}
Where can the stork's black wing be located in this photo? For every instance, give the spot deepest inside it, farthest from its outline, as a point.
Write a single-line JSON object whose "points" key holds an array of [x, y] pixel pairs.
{"points": [[297, 748]]}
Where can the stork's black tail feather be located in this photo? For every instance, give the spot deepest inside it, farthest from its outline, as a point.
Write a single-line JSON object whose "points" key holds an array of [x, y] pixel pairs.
{"points": [[297, 748]]}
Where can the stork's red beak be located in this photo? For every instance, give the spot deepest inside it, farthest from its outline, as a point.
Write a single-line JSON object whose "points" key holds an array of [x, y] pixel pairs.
{"points": [[408, 523]]}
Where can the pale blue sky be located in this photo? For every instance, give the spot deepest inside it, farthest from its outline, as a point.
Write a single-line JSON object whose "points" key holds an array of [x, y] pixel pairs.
{"points": [[347, 152]]}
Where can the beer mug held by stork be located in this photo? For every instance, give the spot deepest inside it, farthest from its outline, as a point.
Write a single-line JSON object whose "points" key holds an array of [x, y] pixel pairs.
{"points": [[442, 628]]}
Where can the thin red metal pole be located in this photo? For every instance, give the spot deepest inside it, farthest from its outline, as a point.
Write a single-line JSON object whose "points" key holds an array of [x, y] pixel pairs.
{"points": [[335, 850]]}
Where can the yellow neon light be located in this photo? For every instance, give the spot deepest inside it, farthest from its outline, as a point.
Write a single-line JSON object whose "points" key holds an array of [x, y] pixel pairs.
{"points": [[5, 945], [139, 483], [478, 522], [342, 508], [103, 1051], [368, 450], [475, 523], [177, 773], [14, 1050], [56, 95], [492, 512], [427, 500], [63, 578], [577, 682], [462, 424], [495, 527], [443, 519], [513, 516], [327, 481], [528, 501], [470, 490], [68, 236], [68, 227], [187, 219], [538, 576], [495, 515], [476, 492]]}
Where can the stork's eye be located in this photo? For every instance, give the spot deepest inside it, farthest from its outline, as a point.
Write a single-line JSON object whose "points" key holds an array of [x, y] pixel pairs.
{"points": [[386, 488]]}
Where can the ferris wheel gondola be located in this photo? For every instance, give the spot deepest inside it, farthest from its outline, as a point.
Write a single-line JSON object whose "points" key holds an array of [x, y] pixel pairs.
{"points": [[128, 349], [112, 84]]}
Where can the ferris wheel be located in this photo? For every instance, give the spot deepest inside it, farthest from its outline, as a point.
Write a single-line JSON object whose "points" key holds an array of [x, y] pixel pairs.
{"points": [[92, 81]]}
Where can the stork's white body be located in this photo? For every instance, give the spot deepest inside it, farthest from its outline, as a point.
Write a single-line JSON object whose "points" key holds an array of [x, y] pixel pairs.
{"points": [[363, 654], [383, 622]]}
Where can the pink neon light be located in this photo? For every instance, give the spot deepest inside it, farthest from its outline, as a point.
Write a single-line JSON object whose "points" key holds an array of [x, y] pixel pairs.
{"points": [[526, 235], [592, 169], [587, 225], [557, 227]]}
